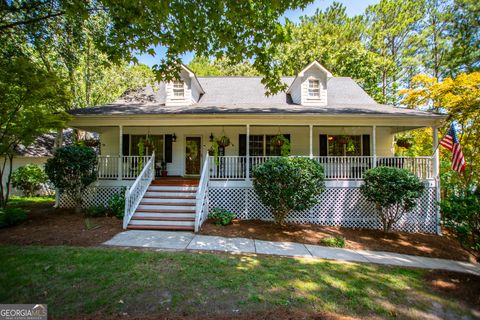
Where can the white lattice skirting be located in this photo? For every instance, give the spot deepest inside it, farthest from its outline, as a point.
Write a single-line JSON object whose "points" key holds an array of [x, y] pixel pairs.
{"points": [[94, 196], [337, 206]]}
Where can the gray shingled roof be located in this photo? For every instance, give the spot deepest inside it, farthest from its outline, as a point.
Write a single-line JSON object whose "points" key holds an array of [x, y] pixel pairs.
{"points": [[246, 95]]}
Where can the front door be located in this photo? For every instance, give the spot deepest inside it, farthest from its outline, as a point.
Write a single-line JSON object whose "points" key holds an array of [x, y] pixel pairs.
{"points": [[193, 155]]}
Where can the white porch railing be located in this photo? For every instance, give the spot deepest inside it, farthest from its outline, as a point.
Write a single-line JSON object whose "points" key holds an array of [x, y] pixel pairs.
{"points": [[336, 168], [201, 206], [135, 193], [131, 166]]}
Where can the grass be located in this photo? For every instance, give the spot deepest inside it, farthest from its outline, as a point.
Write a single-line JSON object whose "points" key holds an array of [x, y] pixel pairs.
{"points": [[16, 201], [75, 281], [338, 242]]}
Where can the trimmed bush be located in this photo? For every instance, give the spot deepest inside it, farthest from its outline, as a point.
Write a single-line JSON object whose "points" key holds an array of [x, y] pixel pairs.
{"points": [[285, 184], [29, 179], [71, 170], [97, 211], [394, 192], [117, 203], [221, 217], [12, 216], [461, 213]]}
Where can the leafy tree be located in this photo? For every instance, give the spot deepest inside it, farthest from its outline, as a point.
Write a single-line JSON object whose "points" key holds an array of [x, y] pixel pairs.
{"points": [[461, 213], [29, 179], [71, 170], [394, 192], [335, 40], [238, 30], [284, 184], [31, 103], [392, 33], [203, 66], [460, 97]]}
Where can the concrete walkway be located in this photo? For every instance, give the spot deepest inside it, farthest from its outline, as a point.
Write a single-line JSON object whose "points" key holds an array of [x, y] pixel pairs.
{"points": [[167, 240]]}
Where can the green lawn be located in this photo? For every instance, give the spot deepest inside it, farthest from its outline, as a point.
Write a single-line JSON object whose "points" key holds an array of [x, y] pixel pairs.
{"points": [[16, 201], [76, 281]]}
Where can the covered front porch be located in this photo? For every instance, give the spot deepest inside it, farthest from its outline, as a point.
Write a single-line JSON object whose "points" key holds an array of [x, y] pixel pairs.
{"points": [[345, 151]]}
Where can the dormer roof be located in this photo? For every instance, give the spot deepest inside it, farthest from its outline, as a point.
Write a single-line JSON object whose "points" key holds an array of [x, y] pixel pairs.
{"points": [[314, 64]]}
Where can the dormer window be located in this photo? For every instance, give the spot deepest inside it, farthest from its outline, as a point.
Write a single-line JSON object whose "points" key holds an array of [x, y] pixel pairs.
{"points": [[314, 88], [178, 90]]}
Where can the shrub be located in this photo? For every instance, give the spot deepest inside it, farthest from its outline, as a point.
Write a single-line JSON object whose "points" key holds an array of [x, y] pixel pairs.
{"points": [[284, 184], [338, 242], [72, 169], [12, 216], [461, 213], [394, 192], [97, 211], [117, 203], [29, 179], [221, 216]]}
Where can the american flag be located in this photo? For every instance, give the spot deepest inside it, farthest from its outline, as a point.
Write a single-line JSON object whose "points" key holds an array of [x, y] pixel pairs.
{"points": [[450, 141]]}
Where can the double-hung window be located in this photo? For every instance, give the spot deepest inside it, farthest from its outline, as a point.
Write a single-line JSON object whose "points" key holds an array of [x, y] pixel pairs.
{"points": [[178, 90], [314, 89]]}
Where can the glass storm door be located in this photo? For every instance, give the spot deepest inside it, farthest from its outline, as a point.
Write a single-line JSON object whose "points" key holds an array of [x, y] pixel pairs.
{"points": [[193, 155]]}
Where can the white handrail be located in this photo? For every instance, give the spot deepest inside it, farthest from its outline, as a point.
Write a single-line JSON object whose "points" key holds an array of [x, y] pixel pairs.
{"points": [[202, 192], [135, 193]]}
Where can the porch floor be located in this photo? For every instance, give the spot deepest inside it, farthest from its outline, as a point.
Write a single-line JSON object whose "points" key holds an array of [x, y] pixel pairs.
{"points": [[176, 181]]}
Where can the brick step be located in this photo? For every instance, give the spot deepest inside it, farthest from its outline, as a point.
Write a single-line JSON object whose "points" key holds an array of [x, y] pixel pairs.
{"points": [[189, 223], [164, 214], [168, 197], [166, 206], [161, 218], [165, 211]]}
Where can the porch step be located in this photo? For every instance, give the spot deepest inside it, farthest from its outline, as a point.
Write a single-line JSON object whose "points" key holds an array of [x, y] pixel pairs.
{"points": [[172, 188], [188, 223], [159, 227], [160, 215], [168, 204]]}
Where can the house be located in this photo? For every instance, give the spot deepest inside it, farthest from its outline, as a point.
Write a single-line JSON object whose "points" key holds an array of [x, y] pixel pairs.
{"points": [[329, 119], [36, 153]]}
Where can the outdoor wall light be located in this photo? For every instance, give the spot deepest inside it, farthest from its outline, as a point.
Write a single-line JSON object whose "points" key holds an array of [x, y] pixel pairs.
{"points": [[174, 137], [211, 137]]}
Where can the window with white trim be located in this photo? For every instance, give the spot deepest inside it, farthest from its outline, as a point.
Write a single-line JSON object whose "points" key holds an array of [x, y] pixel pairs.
{"points": [[344, 145], [314, 88], [178, 89]]}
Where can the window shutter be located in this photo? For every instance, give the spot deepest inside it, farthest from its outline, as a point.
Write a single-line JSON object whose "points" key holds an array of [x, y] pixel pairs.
{"points": [[242, 144], [366, 145], [168, 148], [126, 145], [323, 145]]}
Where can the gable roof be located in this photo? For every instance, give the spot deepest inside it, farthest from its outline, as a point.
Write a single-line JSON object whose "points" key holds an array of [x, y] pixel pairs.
{"points": [[246, 95], [315, 63]]}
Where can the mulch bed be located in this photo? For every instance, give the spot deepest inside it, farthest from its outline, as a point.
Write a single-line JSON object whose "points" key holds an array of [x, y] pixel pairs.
{"points": [[46, 225], [418, 244]]}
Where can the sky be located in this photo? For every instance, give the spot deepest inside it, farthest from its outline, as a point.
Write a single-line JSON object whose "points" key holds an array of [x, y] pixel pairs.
{"points": [[354, 7]]}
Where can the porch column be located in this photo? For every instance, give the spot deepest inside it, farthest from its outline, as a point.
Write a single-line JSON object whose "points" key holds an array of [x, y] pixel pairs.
{"points": [[311, 141], [436, 176], [374, 145], [120, 152], [247, 152]]}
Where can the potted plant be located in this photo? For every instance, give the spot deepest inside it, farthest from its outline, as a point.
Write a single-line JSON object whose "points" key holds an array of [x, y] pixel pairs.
{"points": [[343, 139], [278, 140], [282, 142], [91, 142], [405, 142], [223, 141], [163, 167]]}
